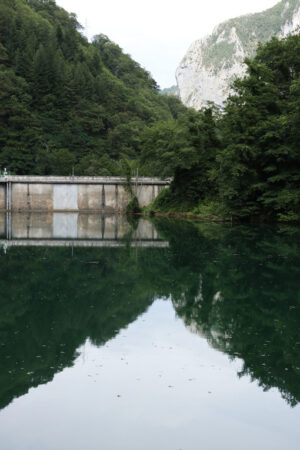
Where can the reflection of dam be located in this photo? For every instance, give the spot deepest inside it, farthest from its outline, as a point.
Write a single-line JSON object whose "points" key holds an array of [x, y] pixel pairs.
{"points": [[75, 229]]}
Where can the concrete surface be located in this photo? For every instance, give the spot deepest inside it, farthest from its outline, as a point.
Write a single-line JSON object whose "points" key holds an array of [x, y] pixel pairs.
{"points": [[33, 193]]}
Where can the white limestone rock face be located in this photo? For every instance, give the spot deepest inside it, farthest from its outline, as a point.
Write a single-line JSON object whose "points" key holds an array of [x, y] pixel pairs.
{"points": [[211, 64]]}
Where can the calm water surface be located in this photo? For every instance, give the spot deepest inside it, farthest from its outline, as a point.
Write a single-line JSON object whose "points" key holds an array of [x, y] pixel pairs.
{"points": [[141, 337]]}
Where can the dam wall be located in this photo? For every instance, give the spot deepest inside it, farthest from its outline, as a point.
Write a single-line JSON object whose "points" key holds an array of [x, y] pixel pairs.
{"points": [[49, 193]]}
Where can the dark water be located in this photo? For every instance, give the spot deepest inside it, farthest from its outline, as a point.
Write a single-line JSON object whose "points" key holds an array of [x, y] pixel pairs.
{"points": [[184, 338]]}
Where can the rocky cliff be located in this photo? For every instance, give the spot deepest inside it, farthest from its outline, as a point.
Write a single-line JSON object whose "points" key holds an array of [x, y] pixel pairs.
{"points": [[212, 63]]}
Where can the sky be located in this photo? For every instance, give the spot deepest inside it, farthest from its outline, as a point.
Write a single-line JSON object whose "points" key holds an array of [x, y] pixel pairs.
{"points": [[158, 33]]}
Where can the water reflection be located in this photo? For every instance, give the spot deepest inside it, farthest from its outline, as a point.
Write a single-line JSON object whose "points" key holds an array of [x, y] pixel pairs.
{"points": [[79, 229], [239, 287]]}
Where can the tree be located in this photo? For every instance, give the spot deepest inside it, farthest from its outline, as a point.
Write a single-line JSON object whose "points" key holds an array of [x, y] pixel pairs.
{"points": [[259, 166]]}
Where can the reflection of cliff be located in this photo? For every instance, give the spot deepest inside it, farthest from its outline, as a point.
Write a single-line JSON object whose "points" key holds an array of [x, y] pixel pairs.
{"points": [[192, 323], [247, 302], [267, 346], [238, 287]]}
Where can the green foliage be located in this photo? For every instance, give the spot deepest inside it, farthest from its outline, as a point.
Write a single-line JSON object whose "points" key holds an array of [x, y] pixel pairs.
{"points": [[168, 202], [184, 148], [163, 202], [212, 210], [171, 91], [258, 168], [219, 53], [244, 163], [219, 50], [133, 206], [65, 102]]}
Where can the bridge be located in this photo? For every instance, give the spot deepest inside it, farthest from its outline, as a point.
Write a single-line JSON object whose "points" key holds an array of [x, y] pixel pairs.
{"points": [[53, 193]]}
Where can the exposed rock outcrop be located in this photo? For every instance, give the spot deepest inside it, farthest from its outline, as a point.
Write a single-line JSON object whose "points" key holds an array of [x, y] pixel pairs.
{"points": [[212, 63]]}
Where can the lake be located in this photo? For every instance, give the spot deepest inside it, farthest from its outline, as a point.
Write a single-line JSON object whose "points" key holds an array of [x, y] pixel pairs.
{"points": [[142, 335]]}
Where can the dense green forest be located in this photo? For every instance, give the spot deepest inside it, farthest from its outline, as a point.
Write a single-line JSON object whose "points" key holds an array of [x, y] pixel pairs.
{"points": [[67, 104]]}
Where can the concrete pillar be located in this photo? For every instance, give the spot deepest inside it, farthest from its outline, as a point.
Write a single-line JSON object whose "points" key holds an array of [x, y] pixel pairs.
{"points": [[117, 196], [110, 197], [103, 197]]}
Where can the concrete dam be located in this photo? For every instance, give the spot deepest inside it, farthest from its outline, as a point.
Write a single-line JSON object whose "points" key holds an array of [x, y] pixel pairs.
{"points": [[80, 194]]}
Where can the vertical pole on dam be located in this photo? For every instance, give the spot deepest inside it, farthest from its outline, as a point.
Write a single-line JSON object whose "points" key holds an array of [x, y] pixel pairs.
{"points": [[9, 208], [8, 201], [6, 196]]}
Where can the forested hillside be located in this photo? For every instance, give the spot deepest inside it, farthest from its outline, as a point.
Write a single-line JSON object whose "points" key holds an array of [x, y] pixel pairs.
{"points": [[65, 102], [244, 162]]}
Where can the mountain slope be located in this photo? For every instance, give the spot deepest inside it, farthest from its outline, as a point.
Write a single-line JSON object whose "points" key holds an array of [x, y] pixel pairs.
{"points": [[212, 63], [65, 102]]}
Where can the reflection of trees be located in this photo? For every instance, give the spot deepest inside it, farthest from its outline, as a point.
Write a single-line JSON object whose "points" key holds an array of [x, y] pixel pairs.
{"points": [[50, 303], [236, 286], [248, 300]]}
